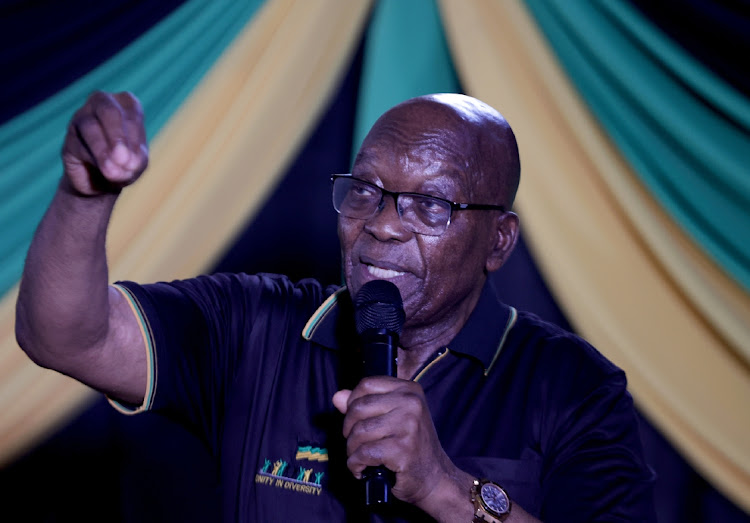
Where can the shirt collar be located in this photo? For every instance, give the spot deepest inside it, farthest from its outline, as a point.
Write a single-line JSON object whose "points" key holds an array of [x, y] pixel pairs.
{"points": [[332, 320], [484, 334], [482, 337]]}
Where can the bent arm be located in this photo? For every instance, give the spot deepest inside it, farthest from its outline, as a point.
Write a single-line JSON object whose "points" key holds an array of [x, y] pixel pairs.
{"points": [[67, 317]]}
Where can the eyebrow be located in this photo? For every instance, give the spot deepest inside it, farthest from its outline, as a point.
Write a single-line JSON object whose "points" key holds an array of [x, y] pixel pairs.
{"points": [[450, 171], [432, 190]]}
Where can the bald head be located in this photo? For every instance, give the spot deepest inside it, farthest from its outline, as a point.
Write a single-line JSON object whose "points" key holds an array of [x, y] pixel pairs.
{"points": [[453, 148], [468, 132]]}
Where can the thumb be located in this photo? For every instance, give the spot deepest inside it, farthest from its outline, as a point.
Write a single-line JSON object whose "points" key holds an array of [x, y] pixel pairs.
{"points": [[341, 400]]}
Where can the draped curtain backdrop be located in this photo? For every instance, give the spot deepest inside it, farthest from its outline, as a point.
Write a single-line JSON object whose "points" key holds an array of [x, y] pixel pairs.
{"points": [[634, 196]]}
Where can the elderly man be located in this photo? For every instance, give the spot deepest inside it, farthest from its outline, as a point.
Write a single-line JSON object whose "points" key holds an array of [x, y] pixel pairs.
{"points": [[494, 415]]}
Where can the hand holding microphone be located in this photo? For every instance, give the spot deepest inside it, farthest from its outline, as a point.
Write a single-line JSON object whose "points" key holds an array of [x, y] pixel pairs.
{"points": [[388, 428], [379, 317]]}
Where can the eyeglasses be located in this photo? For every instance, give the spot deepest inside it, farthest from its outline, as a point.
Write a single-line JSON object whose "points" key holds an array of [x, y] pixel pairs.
{"points": [[419, 213]]}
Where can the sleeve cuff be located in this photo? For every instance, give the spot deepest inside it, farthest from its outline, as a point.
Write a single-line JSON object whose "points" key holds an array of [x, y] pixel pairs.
{"points": [[148, 342]]}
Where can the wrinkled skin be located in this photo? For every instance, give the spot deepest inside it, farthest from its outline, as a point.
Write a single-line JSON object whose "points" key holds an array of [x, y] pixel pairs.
{"points": [[436, 146], [459, 149]]}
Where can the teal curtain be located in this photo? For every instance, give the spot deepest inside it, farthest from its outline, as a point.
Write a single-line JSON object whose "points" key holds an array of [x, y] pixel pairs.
{"points": [[406, 55], [161, 67], [683, 129]]}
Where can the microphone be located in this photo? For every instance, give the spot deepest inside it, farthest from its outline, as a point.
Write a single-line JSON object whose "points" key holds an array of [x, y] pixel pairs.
{"points": [[379, 317]]}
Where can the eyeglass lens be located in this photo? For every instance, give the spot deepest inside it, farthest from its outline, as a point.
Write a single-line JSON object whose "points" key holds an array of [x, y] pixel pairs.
{"points": [[422, 214]]}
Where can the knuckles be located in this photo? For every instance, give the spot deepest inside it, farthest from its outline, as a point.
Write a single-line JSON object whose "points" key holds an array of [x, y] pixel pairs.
{"points": [[404, 427], [385, 385], [104, 120], [388, 423], [359, 407], [362, 429], [97, 97], [410, 425], [125, 102], [130, 101], [83, 119], [369, 453]]}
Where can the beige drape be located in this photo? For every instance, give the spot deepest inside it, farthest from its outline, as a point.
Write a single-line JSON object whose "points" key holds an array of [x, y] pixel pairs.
{"points": [[211, 167], [629, 280]]}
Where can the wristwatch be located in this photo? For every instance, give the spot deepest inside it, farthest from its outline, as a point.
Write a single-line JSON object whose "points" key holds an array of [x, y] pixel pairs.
{"points": [[491, 503]]}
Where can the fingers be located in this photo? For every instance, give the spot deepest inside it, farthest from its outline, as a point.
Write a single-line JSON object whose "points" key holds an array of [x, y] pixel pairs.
{"points": [[341, 399], [135, 131], [364, 404], [382, 440], [387, 452], [387, 422], [106, 143], [381, 412]]}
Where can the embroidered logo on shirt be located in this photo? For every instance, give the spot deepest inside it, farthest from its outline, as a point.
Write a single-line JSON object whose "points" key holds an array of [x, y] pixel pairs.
{"points": [[299, 478], [311, 453]]}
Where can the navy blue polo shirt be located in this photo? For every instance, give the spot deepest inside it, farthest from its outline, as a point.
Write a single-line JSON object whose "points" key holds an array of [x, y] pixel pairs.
{"points": [[250, 364]]}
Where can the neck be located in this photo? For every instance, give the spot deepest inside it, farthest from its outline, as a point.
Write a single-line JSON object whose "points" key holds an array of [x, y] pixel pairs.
{"points": [[419, 343]]}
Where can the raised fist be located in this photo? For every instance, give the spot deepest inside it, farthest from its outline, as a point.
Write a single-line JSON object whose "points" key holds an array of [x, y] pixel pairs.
{"points": [[105, 148]]}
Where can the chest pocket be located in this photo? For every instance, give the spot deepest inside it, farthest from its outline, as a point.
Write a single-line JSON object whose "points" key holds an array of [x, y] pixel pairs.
{"points": [[521, 478]]}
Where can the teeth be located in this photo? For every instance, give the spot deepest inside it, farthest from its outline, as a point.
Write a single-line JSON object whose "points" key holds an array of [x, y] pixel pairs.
{"points": [[383, 274]]}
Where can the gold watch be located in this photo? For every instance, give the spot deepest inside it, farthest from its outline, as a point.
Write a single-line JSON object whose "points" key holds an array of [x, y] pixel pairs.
{"points": [[491, 503]]}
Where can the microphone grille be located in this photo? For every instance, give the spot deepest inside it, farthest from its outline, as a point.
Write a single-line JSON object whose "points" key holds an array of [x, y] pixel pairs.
{"points": [[378, 305]]}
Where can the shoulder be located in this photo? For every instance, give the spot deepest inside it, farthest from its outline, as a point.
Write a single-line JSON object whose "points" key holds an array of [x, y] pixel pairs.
{"points": [[238, 293], [560, 357], [228, 285]]}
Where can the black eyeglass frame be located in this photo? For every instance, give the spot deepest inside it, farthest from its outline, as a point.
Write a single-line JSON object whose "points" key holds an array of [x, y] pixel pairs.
{"points": [[455, 206]]}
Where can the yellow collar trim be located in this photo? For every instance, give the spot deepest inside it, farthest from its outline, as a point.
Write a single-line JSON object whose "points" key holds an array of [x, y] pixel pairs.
{"points": [[320, 313], [511, 321]]}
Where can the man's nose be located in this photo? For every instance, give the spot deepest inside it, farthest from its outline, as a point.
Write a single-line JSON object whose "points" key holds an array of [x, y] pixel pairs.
{"points": [[386, 224]]}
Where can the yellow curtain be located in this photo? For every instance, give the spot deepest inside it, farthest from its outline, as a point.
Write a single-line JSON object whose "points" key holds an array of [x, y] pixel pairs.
{"points": [[211, 167], [629, 279]]}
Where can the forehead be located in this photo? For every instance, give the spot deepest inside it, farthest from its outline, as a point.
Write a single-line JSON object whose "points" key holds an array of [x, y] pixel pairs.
{"points": [[425, 127], [422, 143]]}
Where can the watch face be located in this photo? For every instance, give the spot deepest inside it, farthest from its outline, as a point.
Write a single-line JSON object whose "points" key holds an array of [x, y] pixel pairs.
{"points": [[495, 499]]}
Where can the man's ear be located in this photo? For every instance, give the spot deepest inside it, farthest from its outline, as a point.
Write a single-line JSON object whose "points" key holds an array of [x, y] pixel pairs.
{"points": [[505, 237]]}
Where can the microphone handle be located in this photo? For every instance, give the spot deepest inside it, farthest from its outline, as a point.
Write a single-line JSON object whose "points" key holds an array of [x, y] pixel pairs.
{"points": [[379, 353]]}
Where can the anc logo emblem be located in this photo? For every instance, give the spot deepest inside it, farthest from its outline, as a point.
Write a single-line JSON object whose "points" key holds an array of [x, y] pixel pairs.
{"points": [[300, 477]]}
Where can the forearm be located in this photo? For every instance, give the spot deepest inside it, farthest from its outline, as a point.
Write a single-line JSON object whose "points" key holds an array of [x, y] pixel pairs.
{"points": [[63, 302]]}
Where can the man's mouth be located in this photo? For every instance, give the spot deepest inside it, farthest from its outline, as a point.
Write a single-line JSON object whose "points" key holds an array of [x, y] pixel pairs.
{"points": [[383, 274]]}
